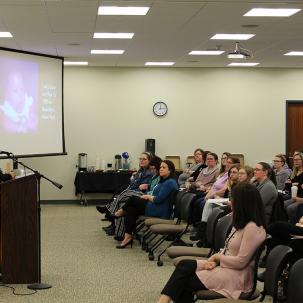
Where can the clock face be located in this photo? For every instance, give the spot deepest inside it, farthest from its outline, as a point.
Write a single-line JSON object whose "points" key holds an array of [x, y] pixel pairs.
{"points": [[160, 109]]}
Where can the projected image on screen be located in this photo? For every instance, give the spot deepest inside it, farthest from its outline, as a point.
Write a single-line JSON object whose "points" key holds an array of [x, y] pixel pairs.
{"points": [[18, 107], [31, 103]]}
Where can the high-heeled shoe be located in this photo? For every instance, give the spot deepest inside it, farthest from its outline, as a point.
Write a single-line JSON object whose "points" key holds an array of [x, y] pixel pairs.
{"points": [[122, 246]]}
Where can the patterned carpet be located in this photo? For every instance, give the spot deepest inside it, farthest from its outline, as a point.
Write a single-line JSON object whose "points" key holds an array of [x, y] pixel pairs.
{"points": [[83, 265]]}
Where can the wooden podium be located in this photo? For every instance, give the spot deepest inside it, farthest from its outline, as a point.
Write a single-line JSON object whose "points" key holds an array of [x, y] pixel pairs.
{"points": [[19, 231]]}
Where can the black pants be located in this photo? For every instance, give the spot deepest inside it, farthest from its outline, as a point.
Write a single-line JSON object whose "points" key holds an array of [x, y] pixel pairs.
{"points": [[197, 208], [134, 207], [281, 235], [183, 282]]}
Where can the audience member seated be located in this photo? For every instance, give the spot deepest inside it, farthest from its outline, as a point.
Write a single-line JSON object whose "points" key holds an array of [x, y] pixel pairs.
{"points": [[265, 183], [218, 189], [199, 163], [154, 166], [207, 176], [296, 179], [229, 272], [155, 204], [141, 177], [208, 206], [246, 174], [282, 173]]}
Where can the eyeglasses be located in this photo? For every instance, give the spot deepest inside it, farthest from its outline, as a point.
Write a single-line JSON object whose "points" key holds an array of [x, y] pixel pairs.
{"points": [[223, 158], [143, 159]]}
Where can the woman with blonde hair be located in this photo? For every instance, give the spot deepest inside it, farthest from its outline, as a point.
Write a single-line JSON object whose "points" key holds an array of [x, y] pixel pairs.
{"points": [[296, 179], [245, 174]]}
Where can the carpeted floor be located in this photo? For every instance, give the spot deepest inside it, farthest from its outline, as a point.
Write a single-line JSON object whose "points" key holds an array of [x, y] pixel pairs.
{"points": [[83, 265]]}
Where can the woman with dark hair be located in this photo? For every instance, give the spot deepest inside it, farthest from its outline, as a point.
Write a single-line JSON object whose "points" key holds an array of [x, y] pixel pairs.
{"points": [[199, 162], [155, 204], [229, 272], [138, 182], [265, 182]]}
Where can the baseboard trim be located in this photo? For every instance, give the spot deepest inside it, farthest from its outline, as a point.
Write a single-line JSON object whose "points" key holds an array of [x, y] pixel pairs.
{"points": [[74, 202]]}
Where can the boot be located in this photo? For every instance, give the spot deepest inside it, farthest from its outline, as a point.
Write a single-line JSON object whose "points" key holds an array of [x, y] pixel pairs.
{"points": [[201, 232]]}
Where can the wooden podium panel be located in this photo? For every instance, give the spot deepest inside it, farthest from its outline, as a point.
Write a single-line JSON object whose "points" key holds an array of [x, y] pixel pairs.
{"points": [[19, 230]]}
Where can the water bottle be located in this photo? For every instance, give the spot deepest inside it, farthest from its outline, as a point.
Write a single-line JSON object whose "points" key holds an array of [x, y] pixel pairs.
{"points": [[294, 191]]}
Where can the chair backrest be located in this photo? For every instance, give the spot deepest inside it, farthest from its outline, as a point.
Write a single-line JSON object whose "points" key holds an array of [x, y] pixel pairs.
{"points": [[190, 160], [222, 230], [295, 283], [186, 207], [176, 160], [275, 264], [212, 221], [177, 203], [278, 212], [256, 257]]}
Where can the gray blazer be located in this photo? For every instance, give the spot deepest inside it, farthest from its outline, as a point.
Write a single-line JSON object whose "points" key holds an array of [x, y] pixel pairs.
{"points": [[269, 194]]}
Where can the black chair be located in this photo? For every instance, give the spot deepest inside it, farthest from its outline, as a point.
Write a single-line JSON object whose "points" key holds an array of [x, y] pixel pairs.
{"points": [[173, 232], [277, 260], [295, 283], [148, 222], [252, 295], [222, 230], [177, 251], [275, 263]]}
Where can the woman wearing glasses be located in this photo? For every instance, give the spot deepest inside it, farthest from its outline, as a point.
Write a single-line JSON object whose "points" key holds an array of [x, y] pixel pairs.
{"points": [[265, 183], [282, 173]]}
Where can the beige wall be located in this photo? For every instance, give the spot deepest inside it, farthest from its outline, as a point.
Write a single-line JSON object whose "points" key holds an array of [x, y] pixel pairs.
{"points": [[109, 110]]}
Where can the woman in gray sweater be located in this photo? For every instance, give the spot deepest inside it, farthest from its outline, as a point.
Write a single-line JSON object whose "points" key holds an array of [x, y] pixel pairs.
{"points": [[265, 183]]}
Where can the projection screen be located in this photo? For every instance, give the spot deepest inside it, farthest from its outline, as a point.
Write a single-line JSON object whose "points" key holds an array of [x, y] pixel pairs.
{"points": [[31, 104]]}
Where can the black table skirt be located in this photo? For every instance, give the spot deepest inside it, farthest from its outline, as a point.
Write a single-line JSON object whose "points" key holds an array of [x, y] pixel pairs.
{"points": [[101, 182]]}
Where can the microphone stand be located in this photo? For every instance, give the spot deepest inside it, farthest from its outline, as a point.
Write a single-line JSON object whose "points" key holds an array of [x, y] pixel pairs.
{"points": [[38, 285]]}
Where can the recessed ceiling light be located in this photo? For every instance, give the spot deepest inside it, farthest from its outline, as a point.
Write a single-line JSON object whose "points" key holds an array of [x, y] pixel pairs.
{"points": [[232, 36], [107, 51], [294, 54], [243, 64], [75, 63], [123, 10], [113, 35], [159, 63], [207, 53], [271, 12], [6, 35]]}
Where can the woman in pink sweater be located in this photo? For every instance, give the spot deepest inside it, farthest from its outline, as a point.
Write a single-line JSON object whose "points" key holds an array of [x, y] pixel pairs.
{"points": [[229, 272]]}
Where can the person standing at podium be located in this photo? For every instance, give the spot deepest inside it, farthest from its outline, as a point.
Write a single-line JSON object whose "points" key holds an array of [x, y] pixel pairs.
{"points": [[7, 176]]}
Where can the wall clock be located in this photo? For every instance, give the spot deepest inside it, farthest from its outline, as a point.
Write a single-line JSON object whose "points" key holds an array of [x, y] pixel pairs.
{"points": [[160, 109]]}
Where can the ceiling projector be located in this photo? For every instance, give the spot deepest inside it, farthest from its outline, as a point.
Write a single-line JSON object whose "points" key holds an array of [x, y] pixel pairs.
{"points": [[239, 53]]}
